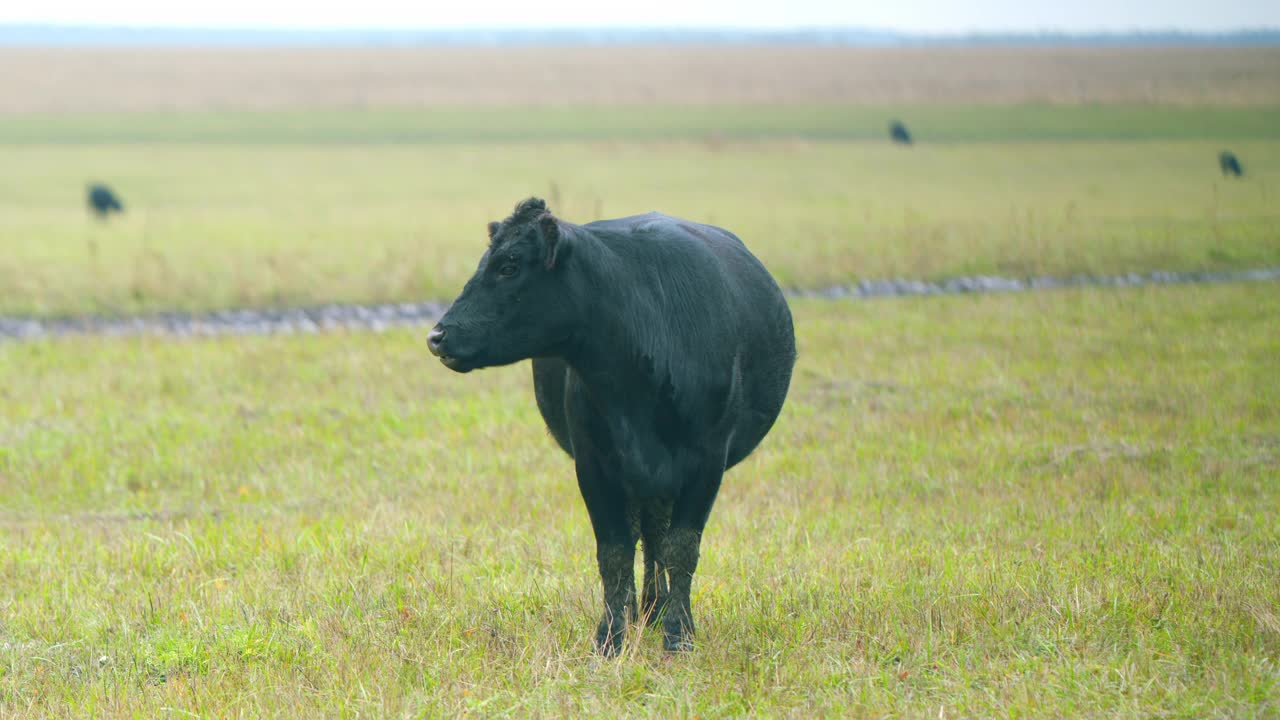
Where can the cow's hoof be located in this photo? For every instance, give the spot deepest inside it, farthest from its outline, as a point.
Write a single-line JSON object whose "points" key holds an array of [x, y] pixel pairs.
{"points": [[677, 636], [677, 643], [609, 637]]}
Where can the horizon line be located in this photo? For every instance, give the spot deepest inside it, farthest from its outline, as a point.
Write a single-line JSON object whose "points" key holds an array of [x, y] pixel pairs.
{"points": [[808, 29]]}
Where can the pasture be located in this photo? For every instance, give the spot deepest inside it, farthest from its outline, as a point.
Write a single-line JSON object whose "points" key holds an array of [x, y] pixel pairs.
{"points": [[1057, 504], [1061, 504]]}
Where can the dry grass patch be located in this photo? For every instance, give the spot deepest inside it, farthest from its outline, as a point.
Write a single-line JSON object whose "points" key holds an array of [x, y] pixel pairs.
{"points": [[68, 80]]}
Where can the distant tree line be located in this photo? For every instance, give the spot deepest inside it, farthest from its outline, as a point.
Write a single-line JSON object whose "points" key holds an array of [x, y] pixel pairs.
{"points": [[70, 35]]}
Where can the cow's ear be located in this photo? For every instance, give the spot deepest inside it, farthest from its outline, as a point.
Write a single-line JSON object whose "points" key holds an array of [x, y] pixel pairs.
{"points": [[549, 229], [493, 228]]}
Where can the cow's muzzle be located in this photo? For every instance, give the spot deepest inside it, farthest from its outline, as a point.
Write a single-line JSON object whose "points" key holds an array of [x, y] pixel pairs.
{"points": [[436, 344]]}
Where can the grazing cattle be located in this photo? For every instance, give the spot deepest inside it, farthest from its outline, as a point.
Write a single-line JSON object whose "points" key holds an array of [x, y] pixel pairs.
{"points": [[1229, 164], [103, 202], [662, 352], [899, 133]]}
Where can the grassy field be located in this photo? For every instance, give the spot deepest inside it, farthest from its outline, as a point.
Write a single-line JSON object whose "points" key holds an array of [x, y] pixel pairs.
{"points": [[1053, 505], [1061, 504], [284, 177], [292, 208], [270, 176]]}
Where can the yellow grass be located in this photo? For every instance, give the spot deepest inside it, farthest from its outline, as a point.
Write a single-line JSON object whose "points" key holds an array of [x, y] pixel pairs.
{"points": [[179, 79]]}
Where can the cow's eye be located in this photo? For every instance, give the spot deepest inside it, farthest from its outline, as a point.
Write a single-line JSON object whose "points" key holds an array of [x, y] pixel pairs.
{"points": [[508, 270]]}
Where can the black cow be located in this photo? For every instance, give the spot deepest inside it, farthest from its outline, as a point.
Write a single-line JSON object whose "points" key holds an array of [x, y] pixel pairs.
{"points": [[898, 133], [103, 202], [1229, 164], [662, 352]]}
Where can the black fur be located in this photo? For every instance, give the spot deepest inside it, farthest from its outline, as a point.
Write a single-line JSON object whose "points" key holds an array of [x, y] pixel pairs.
{"points": [[662, 352], [1229, 164], [102, 201], [898, 133]]}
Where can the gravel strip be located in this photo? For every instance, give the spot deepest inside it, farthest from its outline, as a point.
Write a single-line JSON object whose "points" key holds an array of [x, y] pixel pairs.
{"points": [[867, 289], [320, 318]]}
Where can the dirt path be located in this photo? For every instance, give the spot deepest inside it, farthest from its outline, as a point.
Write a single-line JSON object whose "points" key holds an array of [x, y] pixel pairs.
{"points": [[377, 318]]}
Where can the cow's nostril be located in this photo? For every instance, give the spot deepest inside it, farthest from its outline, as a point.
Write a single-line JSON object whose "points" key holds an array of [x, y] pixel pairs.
{"points": [[435, 337]]}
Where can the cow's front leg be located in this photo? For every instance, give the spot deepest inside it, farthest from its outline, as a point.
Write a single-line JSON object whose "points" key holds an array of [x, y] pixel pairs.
{"points": [[615, 551], [617, 575]]}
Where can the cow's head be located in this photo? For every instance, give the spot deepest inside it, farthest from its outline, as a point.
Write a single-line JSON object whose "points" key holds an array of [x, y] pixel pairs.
{"points": [[516, 305]]}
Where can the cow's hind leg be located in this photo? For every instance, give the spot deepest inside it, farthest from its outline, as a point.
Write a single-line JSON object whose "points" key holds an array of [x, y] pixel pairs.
{"points": [[680, 549], [654, 521]]}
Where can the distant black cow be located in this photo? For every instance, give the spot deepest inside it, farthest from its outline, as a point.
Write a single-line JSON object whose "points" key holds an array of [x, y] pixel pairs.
{"points": [[103, 202], [1229, 164], [898, 133], [662, 352]]}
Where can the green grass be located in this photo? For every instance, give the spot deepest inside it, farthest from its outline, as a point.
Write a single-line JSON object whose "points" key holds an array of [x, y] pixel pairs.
{"points": [[1054, 505], [1057, 123], [241, 223]]}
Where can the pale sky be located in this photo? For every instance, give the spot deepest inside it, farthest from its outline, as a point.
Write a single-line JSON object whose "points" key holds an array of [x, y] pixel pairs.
{"points": [[929, 16]]}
